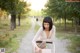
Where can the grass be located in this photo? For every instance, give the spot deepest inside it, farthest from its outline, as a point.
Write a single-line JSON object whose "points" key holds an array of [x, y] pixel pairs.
{"points": [[10, 39], [36, 27], [74, 46]]}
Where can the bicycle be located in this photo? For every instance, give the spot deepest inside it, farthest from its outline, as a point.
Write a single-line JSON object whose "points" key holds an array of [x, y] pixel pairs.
{"points": [[44, 50]]}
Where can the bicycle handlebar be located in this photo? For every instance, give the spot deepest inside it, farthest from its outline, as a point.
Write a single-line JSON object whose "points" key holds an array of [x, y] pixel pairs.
{"points": [[41, 42]]}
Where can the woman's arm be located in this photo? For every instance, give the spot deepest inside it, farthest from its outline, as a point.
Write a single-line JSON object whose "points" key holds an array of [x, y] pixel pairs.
{"points": [[36, 37], [53, 38], [53, 34]]}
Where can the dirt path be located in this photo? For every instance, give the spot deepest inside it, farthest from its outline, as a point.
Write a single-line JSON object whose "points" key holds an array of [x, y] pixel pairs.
{"points": [[26, 43]]}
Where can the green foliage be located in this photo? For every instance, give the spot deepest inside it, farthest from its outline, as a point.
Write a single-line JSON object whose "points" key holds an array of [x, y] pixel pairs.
{"points": [[22, 7], [13, 6], [9, 5], [62, 9]]}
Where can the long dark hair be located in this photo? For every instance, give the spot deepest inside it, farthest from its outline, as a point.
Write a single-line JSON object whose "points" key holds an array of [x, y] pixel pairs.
{"points": [[47, 20]]}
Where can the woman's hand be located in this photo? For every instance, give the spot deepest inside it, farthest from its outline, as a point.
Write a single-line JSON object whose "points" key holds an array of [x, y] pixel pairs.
{"points": [[38, 49], [43, 42], [43, 45]]}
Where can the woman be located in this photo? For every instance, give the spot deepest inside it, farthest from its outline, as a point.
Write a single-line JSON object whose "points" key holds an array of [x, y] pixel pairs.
{"points": [[46, 33]]}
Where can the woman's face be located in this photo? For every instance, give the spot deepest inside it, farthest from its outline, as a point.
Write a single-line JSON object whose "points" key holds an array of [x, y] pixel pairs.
{"points": [[46, 25]]}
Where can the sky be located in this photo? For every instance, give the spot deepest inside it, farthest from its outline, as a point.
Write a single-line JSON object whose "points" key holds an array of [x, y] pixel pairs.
{"points": [[37, 4]]}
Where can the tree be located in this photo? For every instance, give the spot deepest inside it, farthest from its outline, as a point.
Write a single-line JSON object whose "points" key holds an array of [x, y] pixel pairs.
{"points": [[64, 10], [14, 7], [22, 8], [10, 6]]}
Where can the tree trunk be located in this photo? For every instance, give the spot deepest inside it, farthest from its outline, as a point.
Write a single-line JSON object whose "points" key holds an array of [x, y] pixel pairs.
{"points": [[79, 21], [13, 21], [75, 22], [19, 20], [65, 19], [72, 22], [61, 21], [65, 22]]}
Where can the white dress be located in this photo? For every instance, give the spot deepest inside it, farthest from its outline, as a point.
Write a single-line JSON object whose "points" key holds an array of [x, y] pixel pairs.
{"points": [[41, 35]]}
